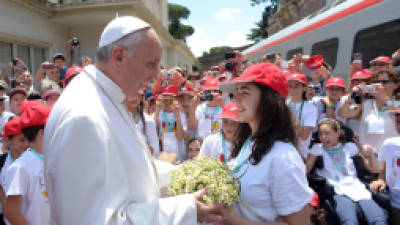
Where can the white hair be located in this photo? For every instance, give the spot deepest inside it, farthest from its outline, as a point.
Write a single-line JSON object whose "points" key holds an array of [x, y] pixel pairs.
{"points": [[103, 54]]}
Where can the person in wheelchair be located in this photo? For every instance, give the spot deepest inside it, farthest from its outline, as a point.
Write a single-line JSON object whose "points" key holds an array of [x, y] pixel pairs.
{"points": [[340, 172]]}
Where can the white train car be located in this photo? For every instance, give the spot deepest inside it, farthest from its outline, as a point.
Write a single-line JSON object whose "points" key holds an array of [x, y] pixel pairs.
{"points": [[371, 27]]}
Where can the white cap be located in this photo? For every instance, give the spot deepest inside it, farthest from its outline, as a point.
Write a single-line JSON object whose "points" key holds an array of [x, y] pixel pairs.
{"points": [[120, 27]]}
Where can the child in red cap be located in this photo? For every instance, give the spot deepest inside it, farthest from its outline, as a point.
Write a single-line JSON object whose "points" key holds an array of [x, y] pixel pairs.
{"points": [[171, 122], [219, 145], [27, 201], [16, 143]]}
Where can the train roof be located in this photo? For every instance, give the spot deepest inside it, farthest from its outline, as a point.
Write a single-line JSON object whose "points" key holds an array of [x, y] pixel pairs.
{"points": [[326, 15]]}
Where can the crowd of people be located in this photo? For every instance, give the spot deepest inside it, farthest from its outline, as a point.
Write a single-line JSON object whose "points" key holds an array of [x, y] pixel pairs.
{"points": [[272, 122]]}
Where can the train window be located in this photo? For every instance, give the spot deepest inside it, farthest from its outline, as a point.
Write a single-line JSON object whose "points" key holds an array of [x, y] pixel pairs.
{"points": [[293, 52], [378, 40], [328, 49]]}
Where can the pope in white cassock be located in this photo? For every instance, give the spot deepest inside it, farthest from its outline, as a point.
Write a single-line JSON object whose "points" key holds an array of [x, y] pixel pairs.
{"points": [[98, 168]]}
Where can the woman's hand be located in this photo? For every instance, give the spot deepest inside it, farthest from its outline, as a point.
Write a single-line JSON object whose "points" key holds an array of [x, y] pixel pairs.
{"points": [[377, 185], [228, 215]]}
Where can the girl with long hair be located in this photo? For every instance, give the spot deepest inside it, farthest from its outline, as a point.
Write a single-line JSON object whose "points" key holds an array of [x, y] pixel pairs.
{"points": [[272, 174]]}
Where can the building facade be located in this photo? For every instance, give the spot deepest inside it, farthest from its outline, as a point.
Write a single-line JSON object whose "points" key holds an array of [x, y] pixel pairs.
{"points": [[34, 30]]}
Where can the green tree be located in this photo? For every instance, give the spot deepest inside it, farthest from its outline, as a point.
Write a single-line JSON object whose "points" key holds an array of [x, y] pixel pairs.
{"points": [[260, 32], [175, 14], [218, 49]]}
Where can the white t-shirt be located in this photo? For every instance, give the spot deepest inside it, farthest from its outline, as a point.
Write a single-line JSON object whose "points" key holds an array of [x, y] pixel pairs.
{"points": [[346, 183], [322, 108], [277, 186], [25, 177], [208, 120], [3, 182], [212, 147], [377, 136], [390, 154], [151, 135], [169, 141], [307, 116]]}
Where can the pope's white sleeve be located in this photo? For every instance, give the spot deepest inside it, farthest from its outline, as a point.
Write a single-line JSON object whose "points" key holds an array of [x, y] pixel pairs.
{"points": [[87, 186]]}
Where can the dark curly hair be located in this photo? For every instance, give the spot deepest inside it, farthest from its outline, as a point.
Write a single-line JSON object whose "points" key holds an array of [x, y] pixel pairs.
{"points": [[275, 124]]}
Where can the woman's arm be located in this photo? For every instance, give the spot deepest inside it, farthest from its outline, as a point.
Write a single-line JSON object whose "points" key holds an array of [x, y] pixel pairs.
{"points": [[311, 162], [11, 210], [369, 158], [380, 184], [347, 111], [304, 132], [179, 127]]}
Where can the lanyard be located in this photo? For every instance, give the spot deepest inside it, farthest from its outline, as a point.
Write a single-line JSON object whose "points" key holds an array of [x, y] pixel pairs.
{"points": [[377, 112], [239, 162], [137, 117], [10, 158], [169, 126], [214, 113], [40, 156], [224, 148]]}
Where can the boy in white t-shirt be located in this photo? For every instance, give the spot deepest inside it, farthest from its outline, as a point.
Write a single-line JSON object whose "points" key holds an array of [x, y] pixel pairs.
{"points": [[389, 158], [171, 122], [16, 143], [27, 201], [207, 113]]}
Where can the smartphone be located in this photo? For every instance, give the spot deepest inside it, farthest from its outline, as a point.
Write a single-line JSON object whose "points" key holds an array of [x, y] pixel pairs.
{"points": [[230, 55], [368, 89], [49, 66], [14, 62]]}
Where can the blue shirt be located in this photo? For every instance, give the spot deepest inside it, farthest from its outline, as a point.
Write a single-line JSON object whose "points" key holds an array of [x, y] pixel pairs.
{"points": [[62, 72]]}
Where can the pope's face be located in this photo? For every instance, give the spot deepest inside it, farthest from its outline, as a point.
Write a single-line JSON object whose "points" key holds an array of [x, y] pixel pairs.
{"points": [[141, 66]]}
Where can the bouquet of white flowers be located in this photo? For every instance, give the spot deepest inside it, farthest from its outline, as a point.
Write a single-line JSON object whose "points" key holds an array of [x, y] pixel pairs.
{"points": [[193, 175]]}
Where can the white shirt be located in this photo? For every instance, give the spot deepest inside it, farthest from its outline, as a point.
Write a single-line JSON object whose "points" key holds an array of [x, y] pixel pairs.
{"points": [[25, 178], [151, 135], [4, 118], [97, 166], [170, 142], [307, 116], [212, 147], [390, 154], [344, 184], [322, 109], [277, 186], [208, 120], [375, 139], [3, 182]]}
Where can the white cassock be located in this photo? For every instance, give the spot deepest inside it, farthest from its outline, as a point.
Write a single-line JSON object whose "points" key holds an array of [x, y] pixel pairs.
{"points": [[98, 169]]}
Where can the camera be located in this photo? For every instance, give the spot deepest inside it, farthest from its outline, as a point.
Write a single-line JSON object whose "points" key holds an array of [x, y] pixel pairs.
{"points": [[368, 88], [271, 57], [14, 62], [357, 98], [206, 97], [75, 41], [229, 66], [49, 66], [230, 55]]}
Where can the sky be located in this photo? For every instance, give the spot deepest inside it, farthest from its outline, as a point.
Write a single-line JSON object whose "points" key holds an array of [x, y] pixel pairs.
{"points": [[219, 22]]}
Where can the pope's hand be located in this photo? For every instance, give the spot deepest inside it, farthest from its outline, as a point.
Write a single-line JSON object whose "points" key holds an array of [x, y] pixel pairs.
{"points": [[206, 213]]}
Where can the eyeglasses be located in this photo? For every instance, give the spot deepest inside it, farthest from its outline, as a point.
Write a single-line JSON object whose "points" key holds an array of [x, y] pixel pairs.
{"points": [[186, 98], [167, 101], [194, 149], [383, 81]]}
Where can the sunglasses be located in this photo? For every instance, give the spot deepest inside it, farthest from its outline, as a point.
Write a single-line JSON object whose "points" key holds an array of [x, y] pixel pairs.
{"points": [[213, 91], [383, 81], [186, 98]]}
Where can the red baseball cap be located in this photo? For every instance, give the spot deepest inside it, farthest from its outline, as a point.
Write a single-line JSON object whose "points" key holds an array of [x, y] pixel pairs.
{"points": [[75, 70], [298, 77], [52, 92], [361, 75], [13, 127], [384, 59], [211, 84], [335, 81], [262, 73], [35, 115], [169, 89], [315, 200], [187, 91], [28, 103], [230, 111], [314, 62]]}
